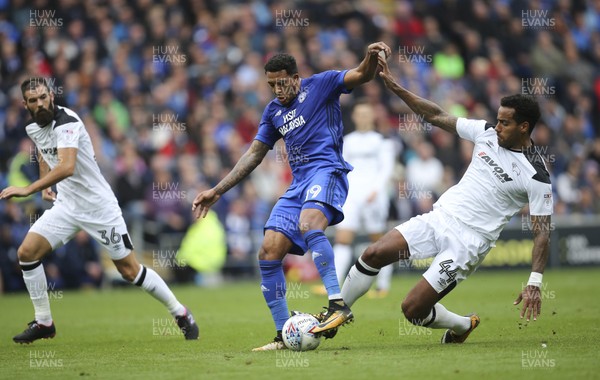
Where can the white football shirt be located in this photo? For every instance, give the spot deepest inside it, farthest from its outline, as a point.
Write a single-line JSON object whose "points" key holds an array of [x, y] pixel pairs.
{"points": [[86, 190], [497, 183], [372, 157]]}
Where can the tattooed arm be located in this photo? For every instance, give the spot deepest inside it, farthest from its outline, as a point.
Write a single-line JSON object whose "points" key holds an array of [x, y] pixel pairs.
{"points": [[247, 163], [431, 112]]}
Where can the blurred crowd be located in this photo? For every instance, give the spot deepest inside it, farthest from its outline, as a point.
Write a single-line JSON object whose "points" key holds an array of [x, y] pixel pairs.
{"points": [[172, 92]]}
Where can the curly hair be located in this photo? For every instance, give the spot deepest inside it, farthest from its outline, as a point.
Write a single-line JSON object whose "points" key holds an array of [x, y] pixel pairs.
{"points": [[526, 109], [282, 61]]}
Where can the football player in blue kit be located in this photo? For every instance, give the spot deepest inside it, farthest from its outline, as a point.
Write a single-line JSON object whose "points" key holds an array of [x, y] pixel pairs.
{"points": [[306, 114]]}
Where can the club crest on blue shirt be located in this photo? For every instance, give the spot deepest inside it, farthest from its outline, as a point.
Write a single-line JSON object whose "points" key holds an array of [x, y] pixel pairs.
{"points": [[302, 96]]}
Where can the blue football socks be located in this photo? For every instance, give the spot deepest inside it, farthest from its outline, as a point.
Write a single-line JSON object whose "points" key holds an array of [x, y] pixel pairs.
{"points": [[322, 254], [273, 288]]}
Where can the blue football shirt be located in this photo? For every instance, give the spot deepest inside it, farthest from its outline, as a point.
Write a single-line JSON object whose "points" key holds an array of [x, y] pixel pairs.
{"points": [[311, 125]]}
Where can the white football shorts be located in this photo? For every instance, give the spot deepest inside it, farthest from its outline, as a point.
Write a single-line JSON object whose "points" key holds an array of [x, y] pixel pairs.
{"points": [[372, 216], [458, 250], [58, 225]]}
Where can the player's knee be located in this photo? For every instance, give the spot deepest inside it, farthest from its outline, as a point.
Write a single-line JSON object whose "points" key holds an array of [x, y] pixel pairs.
{"points": [[309, 224], [269, 251], [28, 253], [304, 227], [262, 253], [312, 219], [373, 257]]}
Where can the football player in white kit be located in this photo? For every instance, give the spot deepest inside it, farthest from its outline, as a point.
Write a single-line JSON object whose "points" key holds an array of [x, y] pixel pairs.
{"points": [[367, 204], [84, 201], [504, 175]]}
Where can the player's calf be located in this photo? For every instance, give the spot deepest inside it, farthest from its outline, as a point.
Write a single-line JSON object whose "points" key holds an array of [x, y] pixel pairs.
{"points": [[416, 314], [129, 268]]}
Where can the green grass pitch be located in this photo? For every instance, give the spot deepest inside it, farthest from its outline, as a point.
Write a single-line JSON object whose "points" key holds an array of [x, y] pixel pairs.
{"points": [[125, 334]]}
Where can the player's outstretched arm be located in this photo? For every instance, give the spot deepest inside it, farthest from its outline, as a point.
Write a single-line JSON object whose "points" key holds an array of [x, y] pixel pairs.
{"points": [[431, 112], [67, 157], [531, 295], [247, 163], [367, 69]]}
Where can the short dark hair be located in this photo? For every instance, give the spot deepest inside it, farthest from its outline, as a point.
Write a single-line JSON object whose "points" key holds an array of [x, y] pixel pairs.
{"points": [[282, 61], [32, 83], [526, 109]]}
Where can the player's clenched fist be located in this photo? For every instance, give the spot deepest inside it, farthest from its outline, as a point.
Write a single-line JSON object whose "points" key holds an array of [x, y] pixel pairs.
{"points": [[48, 195], [203, 201], [385, 73], [377, 47]]}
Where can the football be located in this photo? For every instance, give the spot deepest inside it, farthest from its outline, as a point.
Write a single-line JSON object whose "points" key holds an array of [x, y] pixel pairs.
{"points": [[296, 333]]}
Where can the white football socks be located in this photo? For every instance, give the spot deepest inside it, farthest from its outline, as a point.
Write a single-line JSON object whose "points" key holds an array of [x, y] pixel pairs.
{"points": [[445, 319], [384, 278], [358, 282], [156, 286], [342, 254], [35, 281]]}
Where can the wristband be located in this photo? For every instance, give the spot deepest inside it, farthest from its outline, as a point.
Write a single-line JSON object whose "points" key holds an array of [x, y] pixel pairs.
{"points": [[535, 279]]}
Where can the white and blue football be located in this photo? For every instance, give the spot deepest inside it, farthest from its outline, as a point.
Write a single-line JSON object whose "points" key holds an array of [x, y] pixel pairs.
{"points": [[296, 333]]}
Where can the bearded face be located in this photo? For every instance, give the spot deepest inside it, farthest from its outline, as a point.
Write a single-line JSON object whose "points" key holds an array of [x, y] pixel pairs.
{"points": [[39, 101], [44, 116]]}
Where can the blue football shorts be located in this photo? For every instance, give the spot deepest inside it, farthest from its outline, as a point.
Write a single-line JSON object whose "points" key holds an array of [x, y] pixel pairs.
{"points": [[326, 190]]}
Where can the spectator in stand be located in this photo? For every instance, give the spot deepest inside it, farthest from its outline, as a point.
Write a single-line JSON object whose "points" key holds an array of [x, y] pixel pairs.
{"points": [[424, 172], [106, 60], [568, 183]]}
